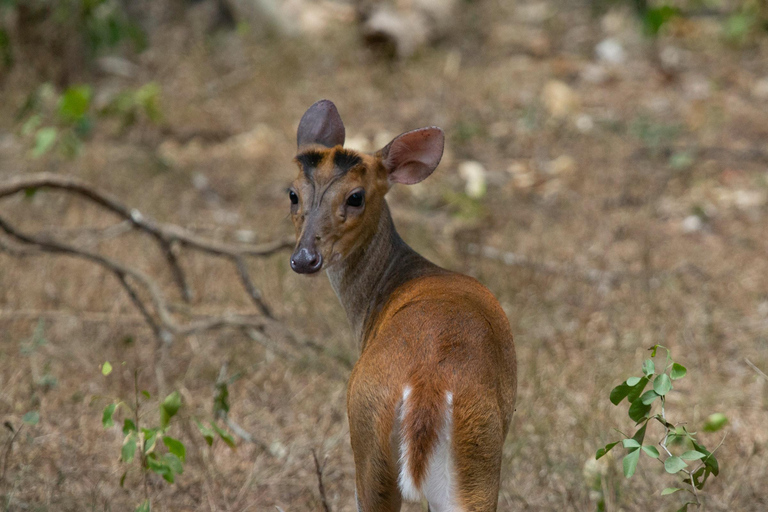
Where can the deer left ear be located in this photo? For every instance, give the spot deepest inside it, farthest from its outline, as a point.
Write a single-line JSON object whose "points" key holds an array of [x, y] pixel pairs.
{"points": [[412, 156], [321, 124]]}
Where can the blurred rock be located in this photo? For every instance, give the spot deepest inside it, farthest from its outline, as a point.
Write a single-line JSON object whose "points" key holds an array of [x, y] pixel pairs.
{"points": [[673, 58], [611, 51], [532, 41], [559, 99], [522, 176], [407, 25], [760, 89], [474, 174], [697, 87], [117, 66], [533, 13], [562, 165], [692, 223], [584, 123], [595, 74], [262, 16]]}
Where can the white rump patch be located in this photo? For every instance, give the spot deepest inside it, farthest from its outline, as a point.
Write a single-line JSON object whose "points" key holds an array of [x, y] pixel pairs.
{"points": [[439, 484]]}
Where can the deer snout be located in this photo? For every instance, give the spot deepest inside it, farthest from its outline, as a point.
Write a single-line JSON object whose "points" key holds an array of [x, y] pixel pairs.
{"points": [[306, 260]]}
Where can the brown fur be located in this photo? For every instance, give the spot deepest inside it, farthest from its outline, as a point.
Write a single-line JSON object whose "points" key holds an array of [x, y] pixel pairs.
{"points": [[419, 326]]}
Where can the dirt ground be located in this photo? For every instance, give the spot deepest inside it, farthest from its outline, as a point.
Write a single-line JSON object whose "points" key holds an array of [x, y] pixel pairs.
{"points": [[626, 206]]}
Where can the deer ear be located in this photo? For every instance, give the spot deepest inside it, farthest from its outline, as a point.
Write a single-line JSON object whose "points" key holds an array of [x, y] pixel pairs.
{"points": [[412, 156], [321, 124]]}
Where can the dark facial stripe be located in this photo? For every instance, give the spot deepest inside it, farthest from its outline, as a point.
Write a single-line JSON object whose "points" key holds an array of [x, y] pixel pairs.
{"points": [[309, 160], [345, 160]]}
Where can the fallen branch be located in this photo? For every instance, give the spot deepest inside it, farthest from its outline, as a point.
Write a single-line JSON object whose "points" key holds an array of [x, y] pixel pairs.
{"points": [[157, 312], [168, 236]]}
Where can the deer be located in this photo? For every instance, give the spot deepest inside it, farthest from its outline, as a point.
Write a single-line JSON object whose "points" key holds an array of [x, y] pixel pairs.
{"points": [[431, 396]]}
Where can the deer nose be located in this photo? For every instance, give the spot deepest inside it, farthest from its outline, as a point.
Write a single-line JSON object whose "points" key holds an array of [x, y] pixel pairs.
{"points": [[306, 261]]}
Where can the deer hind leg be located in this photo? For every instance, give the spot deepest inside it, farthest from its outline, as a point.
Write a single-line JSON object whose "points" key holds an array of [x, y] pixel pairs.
{"points": [[477, 444]]}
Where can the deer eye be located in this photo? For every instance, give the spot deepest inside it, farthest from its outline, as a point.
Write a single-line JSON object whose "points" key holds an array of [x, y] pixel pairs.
{"points": [[293, 196], [356, 199]]}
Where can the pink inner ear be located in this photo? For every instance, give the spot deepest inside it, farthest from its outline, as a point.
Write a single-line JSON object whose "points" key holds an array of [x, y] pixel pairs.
{"points": [[412, 156]]}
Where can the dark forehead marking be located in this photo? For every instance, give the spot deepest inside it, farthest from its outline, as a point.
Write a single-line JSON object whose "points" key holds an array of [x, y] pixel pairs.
{"points": [[310, 160], [345, 160]]}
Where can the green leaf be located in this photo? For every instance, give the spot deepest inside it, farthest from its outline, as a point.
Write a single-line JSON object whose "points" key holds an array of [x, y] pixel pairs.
{"points": [[619, 393], [692, 455], [160, 468], [715, 422], [31, 418], [632, 381], [176, 447], [44, 140], [651, 451], [209, 434], [106, 368], [648, 367], [653, 350], [31, 124], [657, 17], [637, 389], [169, 408], [129, 449], [106, 418], [144, 507], [150, 439], [684, 508], [630, 443], [670, 490], [648, 397], [225, 436], [146, 394], [630, 463], [602, 451], [74, 103], [122, 479], [128, 426], [674, 464], [174, 463], [678, 371], [638, 411], [640, 434], [710, 462], [221, 400], [662, 385]]}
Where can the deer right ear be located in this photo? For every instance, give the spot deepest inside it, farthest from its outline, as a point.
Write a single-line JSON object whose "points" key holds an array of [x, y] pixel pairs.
{"points": [[321, 124], [412, 156]]}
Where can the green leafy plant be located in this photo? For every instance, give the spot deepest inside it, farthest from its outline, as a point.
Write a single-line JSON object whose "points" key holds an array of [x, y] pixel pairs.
{"points": [[148, 444], [694, 463], [63, 121]]}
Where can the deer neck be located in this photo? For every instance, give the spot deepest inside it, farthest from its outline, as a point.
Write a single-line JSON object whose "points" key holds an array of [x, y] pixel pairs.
{"points": [[364, 281]]}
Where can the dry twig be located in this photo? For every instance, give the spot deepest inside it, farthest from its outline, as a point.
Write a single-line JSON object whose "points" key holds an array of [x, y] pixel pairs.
{"points": [[319, 471]]}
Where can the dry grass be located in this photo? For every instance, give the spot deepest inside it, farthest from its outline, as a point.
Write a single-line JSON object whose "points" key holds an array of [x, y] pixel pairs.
{"points": [[620, 209]]}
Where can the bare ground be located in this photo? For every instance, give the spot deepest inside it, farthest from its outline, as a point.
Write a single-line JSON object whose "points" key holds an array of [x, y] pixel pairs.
{"points": [[610, 186]]}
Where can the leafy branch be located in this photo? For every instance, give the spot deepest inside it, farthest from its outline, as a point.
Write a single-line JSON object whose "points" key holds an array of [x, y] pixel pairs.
{"points": [[694, 465]]}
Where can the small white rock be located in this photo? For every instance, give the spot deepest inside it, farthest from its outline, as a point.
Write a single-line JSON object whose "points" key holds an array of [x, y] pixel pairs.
{"points": [[474, 174], [760, 89], [610, 51], [692, 223], [584, 123], [559, 99]]}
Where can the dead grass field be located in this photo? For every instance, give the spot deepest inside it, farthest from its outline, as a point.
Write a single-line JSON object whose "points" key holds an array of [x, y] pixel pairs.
{"points": [[611, 192]]}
